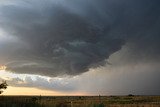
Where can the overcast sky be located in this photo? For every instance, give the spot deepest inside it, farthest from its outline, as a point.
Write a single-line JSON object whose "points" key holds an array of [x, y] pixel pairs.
{"points": [[86, 46]]}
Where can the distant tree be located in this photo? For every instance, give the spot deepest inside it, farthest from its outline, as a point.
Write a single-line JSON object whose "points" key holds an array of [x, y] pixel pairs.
{"points": [[3, 85], [130, 95]]}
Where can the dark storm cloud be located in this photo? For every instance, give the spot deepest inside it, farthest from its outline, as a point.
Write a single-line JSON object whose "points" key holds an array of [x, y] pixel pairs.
{"points": [[70, 37]]}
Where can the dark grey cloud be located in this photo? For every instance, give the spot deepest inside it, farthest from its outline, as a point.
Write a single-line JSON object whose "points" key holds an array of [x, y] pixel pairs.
{"points": [[70, 37]]}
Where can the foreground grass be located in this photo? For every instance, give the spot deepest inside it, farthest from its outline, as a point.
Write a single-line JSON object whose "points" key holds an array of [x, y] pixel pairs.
{"points": [[80, 101]]}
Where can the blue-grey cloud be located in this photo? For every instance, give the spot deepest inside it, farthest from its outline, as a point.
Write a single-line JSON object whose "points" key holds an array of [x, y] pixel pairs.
{"points": [[54, 84]]}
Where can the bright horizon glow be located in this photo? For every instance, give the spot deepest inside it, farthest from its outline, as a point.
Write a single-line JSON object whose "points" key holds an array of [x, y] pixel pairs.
{"points": [[3, 67], [29, 91], [34, 91]]}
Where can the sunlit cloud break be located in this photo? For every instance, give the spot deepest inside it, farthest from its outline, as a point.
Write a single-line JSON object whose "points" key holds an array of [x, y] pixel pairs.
{"points": [[3, 67]]}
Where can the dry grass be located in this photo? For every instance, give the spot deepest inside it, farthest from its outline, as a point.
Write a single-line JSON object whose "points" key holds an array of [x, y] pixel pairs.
{"points": [[80, 101]]}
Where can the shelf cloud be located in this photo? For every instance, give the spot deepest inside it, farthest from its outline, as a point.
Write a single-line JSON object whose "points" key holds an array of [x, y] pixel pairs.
{"points": [[59, 37]]}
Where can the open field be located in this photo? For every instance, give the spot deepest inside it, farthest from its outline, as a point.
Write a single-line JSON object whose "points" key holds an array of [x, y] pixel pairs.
{"points": [[79, 101]]}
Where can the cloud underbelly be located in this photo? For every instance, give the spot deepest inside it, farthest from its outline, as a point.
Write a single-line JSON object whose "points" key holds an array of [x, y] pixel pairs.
{"points": [[53, 39]]}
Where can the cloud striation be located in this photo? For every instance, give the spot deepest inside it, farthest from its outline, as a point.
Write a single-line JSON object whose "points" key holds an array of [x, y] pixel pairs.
{"points": [[59, 37]]}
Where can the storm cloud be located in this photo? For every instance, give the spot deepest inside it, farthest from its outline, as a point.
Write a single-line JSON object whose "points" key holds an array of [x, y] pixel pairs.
{"points": [[59, 37]]}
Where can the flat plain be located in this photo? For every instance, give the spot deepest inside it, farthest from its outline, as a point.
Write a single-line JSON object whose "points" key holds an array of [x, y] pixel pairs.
{"points": [[80, 101]]}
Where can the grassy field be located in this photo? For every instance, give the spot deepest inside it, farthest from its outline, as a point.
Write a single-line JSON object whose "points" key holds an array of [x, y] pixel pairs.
{"points": [[79, 101]]}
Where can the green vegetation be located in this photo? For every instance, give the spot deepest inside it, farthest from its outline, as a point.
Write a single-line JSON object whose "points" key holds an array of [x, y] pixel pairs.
{"points": [[80, 101]]}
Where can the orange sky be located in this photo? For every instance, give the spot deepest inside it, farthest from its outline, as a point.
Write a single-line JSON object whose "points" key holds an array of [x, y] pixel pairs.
{"points": [[28, 91], [33, 91]]}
